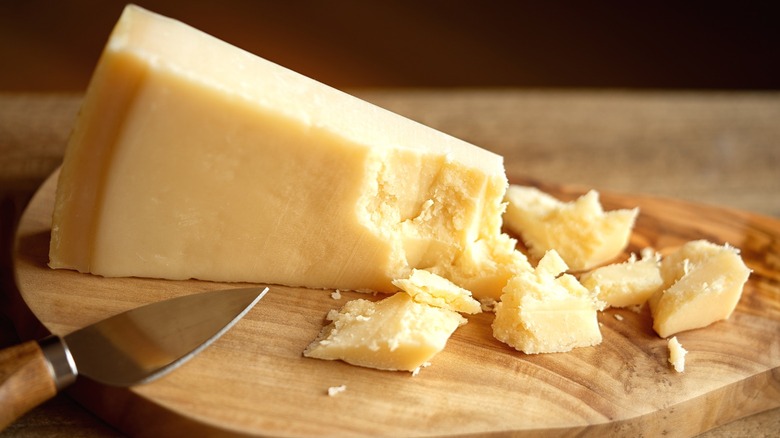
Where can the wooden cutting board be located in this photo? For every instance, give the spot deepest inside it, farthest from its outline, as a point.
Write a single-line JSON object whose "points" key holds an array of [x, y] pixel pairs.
{"points": [[254, 381]]}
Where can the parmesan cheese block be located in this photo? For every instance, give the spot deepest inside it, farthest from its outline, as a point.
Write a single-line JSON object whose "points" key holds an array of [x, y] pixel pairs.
{"points": [[580, 231], [702, 284], [626, 284], [427, 288], [395, 333], [546, 311], [191, 158]]}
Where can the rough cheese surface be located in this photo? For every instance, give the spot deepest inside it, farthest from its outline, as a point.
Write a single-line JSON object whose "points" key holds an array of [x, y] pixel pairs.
{"points": [[703, 283], [580, 231], [395, 333], [546, 311], [192, 158], [676, 354], [630, 283], [427, 288]]}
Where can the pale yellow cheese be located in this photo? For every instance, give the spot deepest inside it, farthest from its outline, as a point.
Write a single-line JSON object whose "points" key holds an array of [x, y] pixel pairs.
{"points": [[485, 266], [545, 311], [702, 284], [395, 333], [336, 390], [580, 231], [191, 158], [630, 283], [676, 354], [433, 290]]}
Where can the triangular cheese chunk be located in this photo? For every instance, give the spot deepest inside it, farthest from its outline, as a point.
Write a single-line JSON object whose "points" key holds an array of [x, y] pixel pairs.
{"points": [[192, 158]]}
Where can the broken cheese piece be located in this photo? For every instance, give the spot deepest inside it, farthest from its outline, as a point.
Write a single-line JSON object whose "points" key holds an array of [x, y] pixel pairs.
{"points": [[630, 283], [580, 231], [427, 288], [191, 158], [702, 284], [546, 311], [676, 354], [395, 333]]}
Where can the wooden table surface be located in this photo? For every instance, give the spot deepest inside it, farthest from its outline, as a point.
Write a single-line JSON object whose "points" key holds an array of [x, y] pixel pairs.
{"points": [[720, 148]]}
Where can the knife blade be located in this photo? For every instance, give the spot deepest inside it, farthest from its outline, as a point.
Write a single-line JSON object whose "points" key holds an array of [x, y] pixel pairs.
{"points": [[130, 348]]}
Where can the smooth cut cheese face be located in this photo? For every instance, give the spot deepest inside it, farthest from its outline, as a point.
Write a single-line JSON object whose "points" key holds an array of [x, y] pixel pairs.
{"points": [[580, 231], [546, 311], [192, 158], [428, 288], [626, 284], [703, 283], [395, 333]]}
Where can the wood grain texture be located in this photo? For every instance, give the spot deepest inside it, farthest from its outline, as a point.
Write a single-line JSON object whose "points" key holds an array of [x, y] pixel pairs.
{"points": [[713, 147], [25, 381], [255, 381]]}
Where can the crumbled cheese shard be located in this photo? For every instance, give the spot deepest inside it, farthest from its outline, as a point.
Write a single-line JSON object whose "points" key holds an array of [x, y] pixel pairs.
{"points": [[626, 284], [703, 283], [677, 354], [395, 333], [336, 294], [580, 231], [488, 304], [545, 311], [485, 266], [191, 158], [335, 390], [418, 369], [637, 308], [427, 288]]}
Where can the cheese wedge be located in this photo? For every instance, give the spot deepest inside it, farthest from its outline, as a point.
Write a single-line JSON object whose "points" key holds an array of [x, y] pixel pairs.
{"points": [[580, 231], [191, 158], [546, 311], [395, 333], [703, 283]]}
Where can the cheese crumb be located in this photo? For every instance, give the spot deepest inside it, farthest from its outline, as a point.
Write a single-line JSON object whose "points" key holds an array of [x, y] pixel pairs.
{"points": [[547, 311], [335, 390], [488, 305], [619, 317], [395, 333], [626, 284], [416, 371], [677, 354], [703, 283], [428, 288], [582, 233], [336, 295]]}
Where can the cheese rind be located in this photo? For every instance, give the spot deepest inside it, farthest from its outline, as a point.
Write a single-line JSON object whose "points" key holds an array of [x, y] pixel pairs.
{"points": [[191, 158], [702, 284], [395, 333], [580, 231], [545, 311]]}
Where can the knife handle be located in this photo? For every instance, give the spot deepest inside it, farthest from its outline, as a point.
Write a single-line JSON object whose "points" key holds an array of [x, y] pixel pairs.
{"points": [[26, 380]]}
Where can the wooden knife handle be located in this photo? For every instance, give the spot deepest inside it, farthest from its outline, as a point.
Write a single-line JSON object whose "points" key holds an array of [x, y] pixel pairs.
{"points": [[26, 380]]}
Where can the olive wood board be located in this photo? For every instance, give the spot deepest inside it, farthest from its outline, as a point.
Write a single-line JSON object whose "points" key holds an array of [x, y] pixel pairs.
{"points": [[254, 380]]}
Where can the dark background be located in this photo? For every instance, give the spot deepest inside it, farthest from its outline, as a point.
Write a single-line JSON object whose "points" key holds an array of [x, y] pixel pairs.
{"points": [[54, 45]]}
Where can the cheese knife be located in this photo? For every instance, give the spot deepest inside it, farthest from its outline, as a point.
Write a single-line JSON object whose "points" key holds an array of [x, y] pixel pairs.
{"points": [[127, 349]]}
